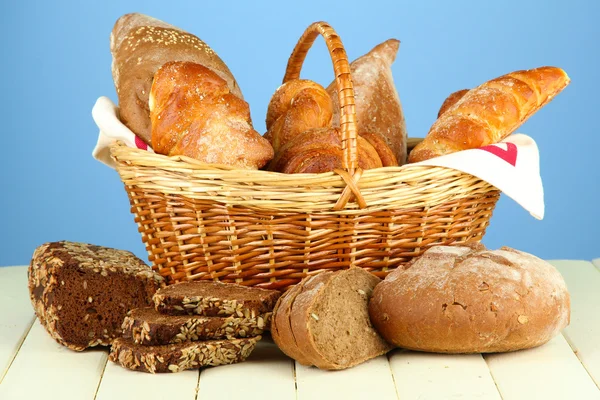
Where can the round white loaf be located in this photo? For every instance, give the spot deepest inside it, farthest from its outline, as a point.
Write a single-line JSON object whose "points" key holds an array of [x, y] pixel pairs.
{"points": [[466, 299]]}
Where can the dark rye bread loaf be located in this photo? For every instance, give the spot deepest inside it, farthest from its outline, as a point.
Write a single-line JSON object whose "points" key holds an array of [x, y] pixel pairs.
{"points": [[324, 321], [148, 327], [467, 299], [215, 299], [81, 292], [181, 356]]}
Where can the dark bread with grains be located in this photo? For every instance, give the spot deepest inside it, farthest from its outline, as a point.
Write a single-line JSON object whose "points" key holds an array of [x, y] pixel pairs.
{"points": [[81, 292], [325, 321], [215, 299], [459, 299], [148, 327], [181, 356]]}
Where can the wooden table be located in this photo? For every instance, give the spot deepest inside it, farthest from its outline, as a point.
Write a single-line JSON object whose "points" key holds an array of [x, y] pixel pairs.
{"points": [[34, 366]]}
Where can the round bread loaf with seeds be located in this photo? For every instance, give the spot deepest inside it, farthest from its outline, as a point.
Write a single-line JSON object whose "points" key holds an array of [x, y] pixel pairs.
{"points": [[81, 292], [181, 356], [467, 299]]}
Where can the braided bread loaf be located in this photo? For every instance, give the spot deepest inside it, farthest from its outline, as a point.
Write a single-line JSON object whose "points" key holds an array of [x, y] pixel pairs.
{"points": [[490, 112]]}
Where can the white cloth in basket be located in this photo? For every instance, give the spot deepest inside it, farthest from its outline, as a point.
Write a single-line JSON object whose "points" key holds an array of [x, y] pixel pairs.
{"points": [[512, 166]]}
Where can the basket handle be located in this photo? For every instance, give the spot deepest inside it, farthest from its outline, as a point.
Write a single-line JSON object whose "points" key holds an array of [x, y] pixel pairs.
{"points": [[341, 69]]}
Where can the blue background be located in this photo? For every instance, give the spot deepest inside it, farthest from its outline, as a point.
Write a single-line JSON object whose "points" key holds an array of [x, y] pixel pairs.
{"points": [[56, 62]]}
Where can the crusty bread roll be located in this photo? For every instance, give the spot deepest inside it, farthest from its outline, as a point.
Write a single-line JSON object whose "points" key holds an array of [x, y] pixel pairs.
{"points": [[324, 320], [490, 112], [194, 114], [466, 299], [320, 150], [140, 45], [379, 115], [299, 127], [295, 107]]}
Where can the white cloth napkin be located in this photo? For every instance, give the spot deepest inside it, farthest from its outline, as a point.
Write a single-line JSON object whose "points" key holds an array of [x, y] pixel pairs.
{"points": [[512, 166]]}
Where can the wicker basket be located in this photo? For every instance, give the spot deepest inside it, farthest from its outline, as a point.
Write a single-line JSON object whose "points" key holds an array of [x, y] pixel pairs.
{"points": [[269, 229]]}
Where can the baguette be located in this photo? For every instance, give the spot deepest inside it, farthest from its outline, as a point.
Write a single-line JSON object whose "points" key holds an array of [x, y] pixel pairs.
{"points": [[490, 112]]}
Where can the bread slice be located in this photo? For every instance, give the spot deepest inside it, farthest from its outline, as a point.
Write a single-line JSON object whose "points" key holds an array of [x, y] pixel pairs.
{"points": [[281, 328], [81, 292], [215, 299], [180, 356], [149, 327], [328, 324]]}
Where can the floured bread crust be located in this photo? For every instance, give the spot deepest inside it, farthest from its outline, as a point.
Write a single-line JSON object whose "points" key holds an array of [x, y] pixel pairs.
{"points": [[471, 300]]}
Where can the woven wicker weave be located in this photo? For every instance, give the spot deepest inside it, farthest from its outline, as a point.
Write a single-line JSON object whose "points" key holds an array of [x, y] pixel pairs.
{"points": [[268, 229]]}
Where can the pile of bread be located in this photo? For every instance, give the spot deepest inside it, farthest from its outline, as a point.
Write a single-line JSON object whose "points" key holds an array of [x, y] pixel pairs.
{"points": [[179, 97], [452, 299], [86, 295]]}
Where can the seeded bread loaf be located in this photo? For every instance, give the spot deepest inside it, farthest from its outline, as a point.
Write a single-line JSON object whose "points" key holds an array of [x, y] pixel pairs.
{"points": [[212, 299], [325, 321], [181, 356], [140, 45], [81, 292], [471, 300], [148, 327]]}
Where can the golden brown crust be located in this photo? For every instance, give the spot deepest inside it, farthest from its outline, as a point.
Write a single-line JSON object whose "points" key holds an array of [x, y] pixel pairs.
{"points": [[378, 108], [320, 150], [490, 112], [194, 114], [451, 100], [140, 45], [468, 300]]}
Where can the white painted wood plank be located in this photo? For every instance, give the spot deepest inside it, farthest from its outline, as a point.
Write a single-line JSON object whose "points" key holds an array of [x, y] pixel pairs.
{"points": [[121, 383], [583, 333], [16, 314], [547, 372], [370, 380], [44, 369], [266, 374], [441, 376]]}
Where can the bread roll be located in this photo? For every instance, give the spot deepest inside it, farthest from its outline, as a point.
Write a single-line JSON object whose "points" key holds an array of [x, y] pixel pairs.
{"points": [[490, 112], [320, 150], [295, 107], [379, 115], [324, 321], [194, 114], [463, 299], [140, 45]]}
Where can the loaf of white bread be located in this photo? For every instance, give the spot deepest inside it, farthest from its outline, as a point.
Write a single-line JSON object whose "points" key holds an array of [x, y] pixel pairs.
{"points": [[490, 112]]}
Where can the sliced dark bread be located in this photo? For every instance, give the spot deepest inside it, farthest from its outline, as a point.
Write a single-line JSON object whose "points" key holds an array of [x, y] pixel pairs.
{"points": [[328, 323], [215, 299], [149, 327], [81, 292], [180, 356]]}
